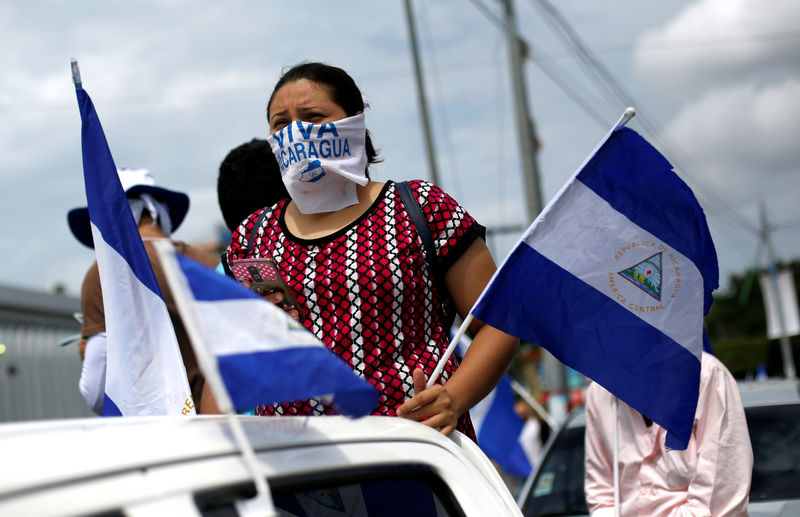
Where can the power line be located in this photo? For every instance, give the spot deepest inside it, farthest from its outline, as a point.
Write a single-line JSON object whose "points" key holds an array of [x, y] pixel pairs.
{"points": [[451, 154], [169, 98], [617, 97], [575, 45], [605, 81], [550, 69], [489, 15], [787, 225], [694, 44]]}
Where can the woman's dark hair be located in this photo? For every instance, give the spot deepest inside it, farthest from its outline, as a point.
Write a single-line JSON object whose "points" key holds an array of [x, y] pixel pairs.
{"points": [[341, 87]]}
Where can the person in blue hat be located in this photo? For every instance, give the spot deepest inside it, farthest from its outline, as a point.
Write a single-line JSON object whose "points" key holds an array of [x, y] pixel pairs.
{"points": [[158, 212]]}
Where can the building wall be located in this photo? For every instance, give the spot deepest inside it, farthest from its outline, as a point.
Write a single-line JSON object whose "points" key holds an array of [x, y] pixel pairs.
{"points": [[38, 376]]}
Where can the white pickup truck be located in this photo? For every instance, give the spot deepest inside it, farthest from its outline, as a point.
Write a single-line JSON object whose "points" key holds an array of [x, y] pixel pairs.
{"points": [[315, 466]]}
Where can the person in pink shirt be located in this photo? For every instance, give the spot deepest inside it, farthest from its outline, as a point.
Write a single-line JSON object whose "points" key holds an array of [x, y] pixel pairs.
{"points": [[710, 478]]}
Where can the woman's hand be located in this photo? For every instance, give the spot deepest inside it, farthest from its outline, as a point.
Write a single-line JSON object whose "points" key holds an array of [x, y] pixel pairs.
{"points": [[275, 296], [432, 406]]}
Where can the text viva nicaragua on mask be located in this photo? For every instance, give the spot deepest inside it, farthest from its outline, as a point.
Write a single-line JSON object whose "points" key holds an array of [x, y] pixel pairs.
{"points": [[322, 163]]}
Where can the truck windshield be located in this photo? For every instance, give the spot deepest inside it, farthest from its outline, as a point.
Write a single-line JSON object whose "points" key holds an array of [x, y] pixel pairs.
{"points": [[775, 434]]}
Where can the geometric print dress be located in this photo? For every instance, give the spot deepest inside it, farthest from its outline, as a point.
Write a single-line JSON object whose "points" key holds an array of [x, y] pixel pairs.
{"points": [[367, 292]]}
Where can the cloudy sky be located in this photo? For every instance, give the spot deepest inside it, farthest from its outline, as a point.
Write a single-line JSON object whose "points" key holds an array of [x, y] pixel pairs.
{"points": [[177, 84]]}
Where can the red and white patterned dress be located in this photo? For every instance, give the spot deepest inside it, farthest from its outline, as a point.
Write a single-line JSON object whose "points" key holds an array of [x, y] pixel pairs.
{"points": [[366, 290]]}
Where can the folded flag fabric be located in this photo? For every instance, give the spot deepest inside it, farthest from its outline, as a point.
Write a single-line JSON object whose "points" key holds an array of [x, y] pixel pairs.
{"points": [[498, 426], [144, 369], [263, 355], [613, 278]]}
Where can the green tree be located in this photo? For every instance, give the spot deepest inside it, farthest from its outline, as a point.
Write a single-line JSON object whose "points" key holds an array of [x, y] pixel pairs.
{"points": [[737, 327]]}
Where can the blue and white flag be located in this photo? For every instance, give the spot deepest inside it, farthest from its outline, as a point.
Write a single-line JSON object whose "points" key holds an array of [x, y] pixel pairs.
{"points": [[498, 426], [144, 369], [613, 278], [499, 430], [263, 355]]}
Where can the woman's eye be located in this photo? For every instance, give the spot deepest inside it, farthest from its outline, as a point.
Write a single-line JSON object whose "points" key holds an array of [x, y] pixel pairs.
{"points": [[278, 124]]}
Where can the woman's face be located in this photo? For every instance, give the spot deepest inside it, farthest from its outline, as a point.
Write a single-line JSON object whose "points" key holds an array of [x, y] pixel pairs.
{"points": [[305, 101]]}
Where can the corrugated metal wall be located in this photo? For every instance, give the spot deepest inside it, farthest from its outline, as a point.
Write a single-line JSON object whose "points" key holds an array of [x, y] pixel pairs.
{"points": [[38, 378]]}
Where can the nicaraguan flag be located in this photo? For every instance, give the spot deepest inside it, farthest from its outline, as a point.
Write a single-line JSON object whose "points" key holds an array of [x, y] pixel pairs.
{"points": [[263, 355], [499, 427], [144, 369], [613, 278], [499, 430]]}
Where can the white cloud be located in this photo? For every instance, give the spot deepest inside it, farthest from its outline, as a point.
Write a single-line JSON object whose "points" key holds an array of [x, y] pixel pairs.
{"points": [[177, 84], [731, 73], [743, 130], [712, 42]]}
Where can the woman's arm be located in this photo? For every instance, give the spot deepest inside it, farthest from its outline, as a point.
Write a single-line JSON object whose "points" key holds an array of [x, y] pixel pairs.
{"points": [[486, 360]]}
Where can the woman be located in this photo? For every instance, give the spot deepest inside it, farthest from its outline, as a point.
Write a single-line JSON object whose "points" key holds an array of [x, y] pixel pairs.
{"points": [[349, 250]]}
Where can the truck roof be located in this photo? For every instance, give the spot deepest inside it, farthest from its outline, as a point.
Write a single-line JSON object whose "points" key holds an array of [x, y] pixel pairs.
{"points": [[120, 463]]}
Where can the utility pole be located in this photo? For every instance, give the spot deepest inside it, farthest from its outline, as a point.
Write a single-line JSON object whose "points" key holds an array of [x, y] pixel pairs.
{"points": [[786, 346], [528, 147], [525, 129], [423, 104]]}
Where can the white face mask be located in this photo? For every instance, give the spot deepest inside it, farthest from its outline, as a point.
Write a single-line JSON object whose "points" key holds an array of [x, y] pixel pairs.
{"points": [[321, 163]]}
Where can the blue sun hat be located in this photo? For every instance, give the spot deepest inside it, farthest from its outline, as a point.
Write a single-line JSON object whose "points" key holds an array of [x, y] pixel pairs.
{"points": [[134, 182]]}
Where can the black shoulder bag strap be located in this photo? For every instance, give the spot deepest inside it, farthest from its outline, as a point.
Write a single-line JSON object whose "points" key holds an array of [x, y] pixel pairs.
{"points": [[252, 237], [424, 231]]}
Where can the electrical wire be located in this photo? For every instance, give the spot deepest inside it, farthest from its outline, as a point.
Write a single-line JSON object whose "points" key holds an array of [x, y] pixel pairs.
{"points": [[453, 171], [618, 98], [489, 15], [605, 81], [550, 69]]}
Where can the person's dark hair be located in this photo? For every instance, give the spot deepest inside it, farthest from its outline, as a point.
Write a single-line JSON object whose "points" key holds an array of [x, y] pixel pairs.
{"points": [[249, 179], [342, 89]]}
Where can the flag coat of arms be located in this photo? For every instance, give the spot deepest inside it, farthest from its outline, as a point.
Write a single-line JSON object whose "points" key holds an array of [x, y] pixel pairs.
{"points": [[144, 368], [614, 278]]}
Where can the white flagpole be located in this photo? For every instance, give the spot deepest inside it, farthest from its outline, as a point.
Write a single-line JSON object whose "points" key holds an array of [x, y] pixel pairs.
{"points": [[615, 406], [516, 386], [447, 353], [623, 119], [261, 505]]}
